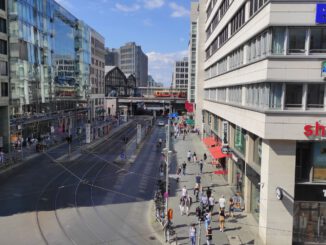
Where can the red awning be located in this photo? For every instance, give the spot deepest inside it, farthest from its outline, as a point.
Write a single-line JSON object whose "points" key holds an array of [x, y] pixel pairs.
{"points": [[218, 172], [217, 153], [210, 141]]}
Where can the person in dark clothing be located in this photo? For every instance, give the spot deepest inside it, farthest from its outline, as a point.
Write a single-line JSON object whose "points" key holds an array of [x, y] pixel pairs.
{"points": [[208, 192], [184, 166], [205, 157]]}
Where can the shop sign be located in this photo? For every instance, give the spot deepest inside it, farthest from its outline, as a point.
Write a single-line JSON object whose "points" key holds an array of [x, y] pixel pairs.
{"points": [[323, 69], [315, 130], [225, 135], [321, 13], [310, 192]]}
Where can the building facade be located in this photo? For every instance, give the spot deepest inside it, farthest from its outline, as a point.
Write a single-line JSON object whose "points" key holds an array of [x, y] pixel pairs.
{"points": [[192, 49], [97, 75], [112, 57], [134, 61], [4, 81], [180, 74], [262, 67]]}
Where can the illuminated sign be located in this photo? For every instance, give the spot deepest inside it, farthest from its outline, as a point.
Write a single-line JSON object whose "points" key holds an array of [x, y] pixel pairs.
{"points": [[321, 13]]}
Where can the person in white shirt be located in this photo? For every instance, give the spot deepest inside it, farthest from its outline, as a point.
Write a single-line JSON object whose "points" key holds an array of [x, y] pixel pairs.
{"points": [[211, 202], [184, 191], [189, 155], [221, 202]]}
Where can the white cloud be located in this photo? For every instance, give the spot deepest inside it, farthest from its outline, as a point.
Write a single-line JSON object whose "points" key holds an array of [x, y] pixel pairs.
{"points": [[127, 8], [152, 4], [161, 65], [178, 10]]}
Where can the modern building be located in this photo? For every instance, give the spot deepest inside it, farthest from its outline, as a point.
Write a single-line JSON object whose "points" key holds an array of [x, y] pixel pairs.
{"points": [[50, 58], [4, 81], [97, 75], [192, 52], [134, 61], [261, 95], [180, 74], [112, 57], [152, 83]]}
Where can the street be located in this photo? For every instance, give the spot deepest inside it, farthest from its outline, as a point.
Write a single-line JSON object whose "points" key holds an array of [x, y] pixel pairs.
{"points": [[91, 200]]}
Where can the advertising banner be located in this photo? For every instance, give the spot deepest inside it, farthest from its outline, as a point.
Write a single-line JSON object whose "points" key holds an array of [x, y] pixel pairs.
{"points": [[225, 133]]}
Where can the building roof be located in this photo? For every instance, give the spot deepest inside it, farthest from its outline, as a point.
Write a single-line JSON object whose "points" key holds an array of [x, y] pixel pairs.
{"points": [[109, 68]]}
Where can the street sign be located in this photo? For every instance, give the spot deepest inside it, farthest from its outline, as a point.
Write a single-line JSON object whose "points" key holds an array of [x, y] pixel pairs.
{"points": [[173, 115], [321, 13]]}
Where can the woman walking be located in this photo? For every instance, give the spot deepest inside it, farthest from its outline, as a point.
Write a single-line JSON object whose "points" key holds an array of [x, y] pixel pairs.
{"points": [[222, 219]]}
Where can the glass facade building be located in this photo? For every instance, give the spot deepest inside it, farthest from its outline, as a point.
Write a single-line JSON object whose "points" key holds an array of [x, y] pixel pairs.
{"points": [[49, 56]]}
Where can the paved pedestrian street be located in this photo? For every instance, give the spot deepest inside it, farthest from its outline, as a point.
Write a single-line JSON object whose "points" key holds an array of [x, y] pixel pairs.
{"points": [[241, 229]]}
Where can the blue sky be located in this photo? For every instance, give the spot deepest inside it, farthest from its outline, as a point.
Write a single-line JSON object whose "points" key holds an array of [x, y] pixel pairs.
{"points": [[161, 27]]}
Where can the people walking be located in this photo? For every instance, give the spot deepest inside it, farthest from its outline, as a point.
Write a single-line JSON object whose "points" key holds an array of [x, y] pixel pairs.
{"points": [[196, 191], [189, 155], [211, 202], [208, 219], [222, 220], [192, 234], [208, 192], [188, 204], [198, 179], [182, 204], [221, 202], [231, 207], [184, 166], [178, 174], [194, 157], [201, 165], [184, 191], [209, 235], [205, 157]]}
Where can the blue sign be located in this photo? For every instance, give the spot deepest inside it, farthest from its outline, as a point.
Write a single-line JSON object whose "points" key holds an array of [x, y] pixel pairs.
{"points": [[123, 156], [321, 13], [173, 115]]}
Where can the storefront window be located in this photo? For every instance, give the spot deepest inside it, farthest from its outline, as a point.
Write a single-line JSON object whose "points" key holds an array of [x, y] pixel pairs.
{"points": [[238, 175], [255, 201], [319, 161], [309, 224], [240, 140]]}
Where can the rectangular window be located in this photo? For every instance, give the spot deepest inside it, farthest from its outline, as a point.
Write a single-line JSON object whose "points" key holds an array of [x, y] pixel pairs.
{"points": [[4, 90], [297, 40], [293, 95], [257, 150], [3, 68], [278, 36], [315, 96], [275, 96], [3, 5], [3, 47], [240, 140], [3, 25], [318, 40]]}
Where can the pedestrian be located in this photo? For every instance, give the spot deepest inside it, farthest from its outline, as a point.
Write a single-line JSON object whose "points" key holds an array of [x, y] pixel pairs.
{"points": [[166, 228], [192, 234], [194, 156], [222, 220], [184, 166], [184, 191], [188, 204], [196, 191], [182, 204], [208, 219], [208, 192], [204, 202], [211, 202], [205, 157], [189, 155], [201, 165], [198, 179], [231, 207], [178, 173], [209, 235], [221, 202]]}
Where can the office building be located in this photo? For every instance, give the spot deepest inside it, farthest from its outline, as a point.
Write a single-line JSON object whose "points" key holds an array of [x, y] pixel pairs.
{"points": [[192, 52], [4, 82], [134, 61], [50, 57], [97, 75], [180, 74], [152, 83], [112, 57], [261, 94]]}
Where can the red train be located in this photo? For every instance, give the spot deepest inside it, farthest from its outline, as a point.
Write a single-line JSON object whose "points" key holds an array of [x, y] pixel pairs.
{"points": [[170, 93]]}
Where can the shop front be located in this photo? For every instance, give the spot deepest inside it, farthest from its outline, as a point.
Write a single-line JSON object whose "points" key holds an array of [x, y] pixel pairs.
{"points": [[238, 174], [254, 180], [309, 216]]}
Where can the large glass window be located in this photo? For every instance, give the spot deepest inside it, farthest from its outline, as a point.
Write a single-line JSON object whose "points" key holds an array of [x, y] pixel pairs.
{"points": [[240, 140], [297, 40], [3, 25], [3, 47], [315, 96], [4, 90], [257, 150], [318, 40], [293, 96], [3, 68], [275, 96], [3, 5], [278, 36]]}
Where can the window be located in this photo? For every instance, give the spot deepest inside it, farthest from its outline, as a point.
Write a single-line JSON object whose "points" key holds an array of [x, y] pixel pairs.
{"points": [[255, 5], [238, 20], [318, 40], [4, 89], [3, 47], [278, 36], [223, 36], [240, 140], [315, 96], [297, 40], [3, 25], [3, 68], [3, 5], [257, 150], [293, 96], [275, 96]]}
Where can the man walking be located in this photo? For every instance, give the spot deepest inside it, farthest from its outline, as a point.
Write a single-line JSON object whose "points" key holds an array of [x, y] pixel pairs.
{"points": [[192, 234], [189, 156], [184, 165], [201, 165], [221, 202]]}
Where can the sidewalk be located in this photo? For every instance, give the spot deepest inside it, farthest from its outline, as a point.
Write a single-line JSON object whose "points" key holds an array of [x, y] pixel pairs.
{"points": [[239, 230]]}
